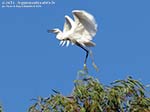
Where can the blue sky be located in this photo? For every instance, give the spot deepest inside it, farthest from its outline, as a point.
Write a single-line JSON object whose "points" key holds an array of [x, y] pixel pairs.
{"points": [[32, 62]]}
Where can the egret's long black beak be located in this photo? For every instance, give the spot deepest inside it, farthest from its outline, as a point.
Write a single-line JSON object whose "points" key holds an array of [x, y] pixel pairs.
{"points": [[50, 31]]}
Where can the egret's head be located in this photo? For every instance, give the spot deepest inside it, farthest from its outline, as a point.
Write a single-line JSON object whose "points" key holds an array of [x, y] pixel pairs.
{"points": [[55, 31]]}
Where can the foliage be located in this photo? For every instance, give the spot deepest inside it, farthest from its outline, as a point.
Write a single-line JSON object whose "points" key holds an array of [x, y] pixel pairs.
{"points": [[89, 95], [1, 110]]}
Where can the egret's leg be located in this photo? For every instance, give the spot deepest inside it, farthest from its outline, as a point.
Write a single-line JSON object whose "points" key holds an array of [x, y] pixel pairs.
{"points": [[87, 53], [93, 63], [85, 67]]}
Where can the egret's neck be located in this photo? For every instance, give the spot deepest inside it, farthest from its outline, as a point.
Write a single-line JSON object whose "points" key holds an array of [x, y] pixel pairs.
{"points": [[59, 35]]}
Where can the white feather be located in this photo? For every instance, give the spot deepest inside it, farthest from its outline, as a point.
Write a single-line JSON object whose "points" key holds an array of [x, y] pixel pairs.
{"points": [[63, 43], [82, 29], [67, 43], [60, 42]]}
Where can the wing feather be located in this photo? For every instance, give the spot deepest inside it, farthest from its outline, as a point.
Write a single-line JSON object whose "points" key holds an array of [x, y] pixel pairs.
{"points": [[67, 24], [86, 25]]}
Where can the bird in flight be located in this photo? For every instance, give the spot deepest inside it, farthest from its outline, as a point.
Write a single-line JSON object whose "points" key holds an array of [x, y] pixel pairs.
{"points": [[79, 31]]}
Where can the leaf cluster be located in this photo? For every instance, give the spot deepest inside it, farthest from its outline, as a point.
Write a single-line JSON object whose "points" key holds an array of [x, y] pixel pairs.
{"points": [[89, 95], [1, 110]]}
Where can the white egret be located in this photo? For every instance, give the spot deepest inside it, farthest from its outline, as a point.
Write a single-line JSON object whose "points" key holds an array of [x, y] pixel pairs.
{"points": [[79, 31]]}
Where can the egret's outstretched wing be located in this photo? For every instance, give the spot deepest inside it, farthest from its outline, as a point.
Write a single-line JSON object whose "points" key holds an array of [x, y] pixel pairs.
{"points": [[68, 24], [86, 25]]}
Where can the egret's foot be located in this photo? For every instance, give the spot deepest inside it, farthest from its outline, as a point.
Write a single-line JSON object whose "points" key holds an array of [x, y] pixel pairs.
{"points": [[85, 68], [95, 66]]}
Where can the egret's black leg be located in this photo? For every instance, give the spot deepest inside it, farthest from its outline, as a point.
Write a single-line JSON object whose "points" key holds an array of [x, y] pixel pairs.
{"points": [[87, 52]]}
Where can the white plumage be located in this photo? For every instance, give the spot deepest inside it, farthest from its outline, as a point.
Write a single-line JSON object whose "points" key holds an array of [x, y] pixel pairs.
{"points": [[79, 31], [82, 29]]}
